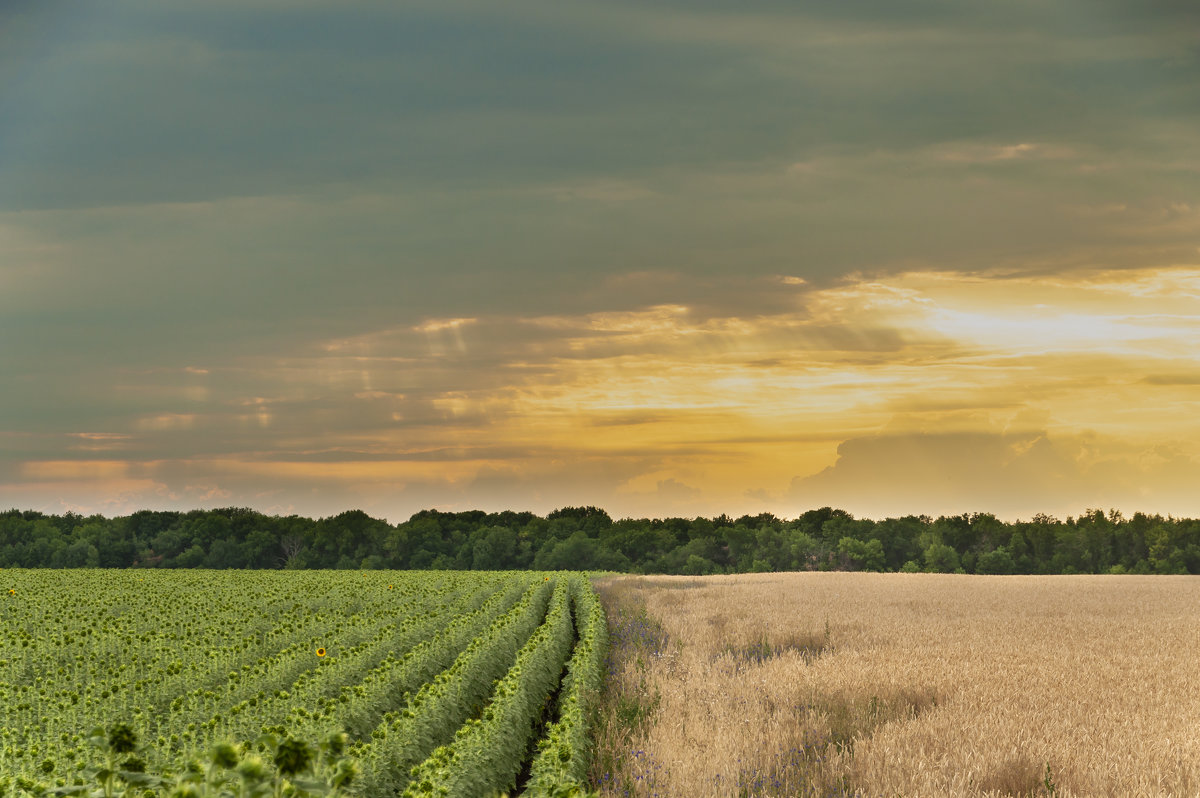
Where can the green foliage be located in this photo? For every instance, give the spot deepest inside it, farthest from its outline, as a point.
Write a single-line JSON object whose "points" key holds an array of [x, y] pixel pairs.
{"points": [[408, 735], [862, 554], [487, 752], [941, 559], [998, 561], [301, 771], [586, 538], [272, 684], [561, 766], [1048, 782]]}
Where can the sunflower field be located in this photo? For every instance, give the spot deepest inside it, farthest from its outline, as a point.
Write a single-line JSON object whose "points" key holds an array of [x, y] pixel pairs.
{"points": [[247, 683]]}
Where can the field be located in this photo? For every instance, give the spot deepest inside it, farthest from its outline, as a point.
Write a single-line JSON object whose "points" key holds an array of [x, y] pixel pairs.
{"points": [[902, 685], [319, 682], [374, 683]]}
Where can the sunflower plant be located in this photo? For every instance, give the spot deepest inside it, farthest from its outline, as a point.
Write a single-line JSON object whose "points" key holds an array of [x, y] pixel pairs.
{"points": [[274, 767]]}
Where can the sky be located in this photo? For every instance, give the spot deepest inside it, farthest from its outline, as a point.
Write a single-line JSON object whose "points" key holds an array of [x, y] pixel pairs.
{"points": [[666, 258]]}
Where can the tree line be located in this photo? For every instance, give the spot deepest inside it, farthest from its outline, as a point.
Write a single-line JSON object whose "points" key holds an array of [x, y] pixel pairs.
{"points": [[588, 538]]}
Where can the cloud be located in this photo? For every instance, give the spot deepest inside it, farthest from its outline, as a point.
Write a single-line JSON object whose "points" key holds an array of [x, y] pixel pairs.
{"points": [[1172, 379], [973, 381], [1011, 475], [74, 469], [976, 153], [700, 243]]}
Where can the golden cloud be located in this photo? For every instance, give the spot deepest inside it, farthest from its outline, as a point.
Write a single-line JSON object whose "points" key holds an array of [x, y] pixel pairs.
{"points": [[75, 470], [891, 386]]}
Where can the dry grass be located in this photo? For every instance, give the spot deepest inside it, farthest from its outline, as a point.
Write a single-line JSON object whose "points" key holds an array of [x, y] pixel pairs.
{"points": [[908, 684]]}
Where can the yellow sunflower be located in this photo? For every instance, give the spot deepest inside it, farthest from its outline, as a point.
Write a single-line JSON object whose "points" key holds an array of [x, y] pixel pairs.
{"points": [[320, 652]]}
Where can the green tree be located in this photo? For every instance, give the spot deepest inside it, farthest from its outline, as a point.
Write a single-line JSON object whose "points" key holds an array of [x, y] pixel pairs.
{"points": [[1165, 557], [588, 519], [861, 555], [997, 561], [225, 553], [260, 549], [192, 558], [706, 549], [740, 541], [494, 548], [941, 559], [899, 539], [578, 553], [699, 566]]}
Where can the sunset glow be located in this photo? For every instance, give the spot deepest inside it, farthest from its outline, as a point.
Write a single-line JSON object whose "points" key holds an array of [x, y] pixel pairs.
{"points": [[713, 266]]}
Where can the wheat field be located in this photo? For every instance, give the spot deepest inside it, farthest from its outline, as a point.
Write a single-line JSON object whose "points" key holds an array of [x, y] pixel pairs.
{"points": [[909, 685]]}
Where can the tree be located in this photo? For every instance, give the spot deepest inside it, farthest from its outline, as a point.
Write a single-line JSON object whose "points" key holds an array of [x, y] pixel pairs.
{"points": [[1165, 556], [207, 528], [805, 553], [225, 553], [259, 549], [290, 545], [578, 553], [997, 561], [639, 543], [941, 559], [698, 566], [80, 554], [192, 558], [589, 519], [494, 549], [740, 542], [861, 555], [705, 549]]}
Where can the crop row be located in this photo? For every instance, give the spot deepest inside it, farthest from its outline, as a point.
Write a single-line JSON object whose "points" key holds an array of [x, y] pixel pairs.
{"points": [[437, 683], [565, 748], [80, 649], [487, 752], [442, 705]]}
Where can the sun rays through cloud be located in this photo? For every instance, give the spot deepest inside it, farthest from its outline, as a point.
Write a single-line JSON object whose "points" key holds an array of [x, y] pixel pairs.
{"points": [[664, 258], [913, 392]]}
